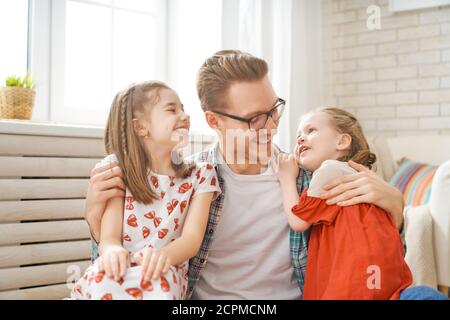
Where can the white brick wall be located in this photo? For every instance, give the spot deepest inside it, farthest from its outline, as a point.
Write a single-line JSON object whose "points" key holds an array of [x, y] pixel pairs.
{"points": [[396, 79]]}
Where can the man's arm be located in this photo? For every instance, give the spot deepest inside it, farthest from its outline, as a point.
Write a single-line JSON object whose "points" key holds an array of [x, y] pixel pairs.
{"points": [[105, 183], [366, 187]]}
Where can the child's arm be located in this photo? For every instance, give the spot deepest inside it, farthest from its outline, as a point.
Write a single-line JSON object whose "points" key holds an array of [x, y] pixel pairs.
{"points": [[287, 171], [157, 262], [113, 257]]}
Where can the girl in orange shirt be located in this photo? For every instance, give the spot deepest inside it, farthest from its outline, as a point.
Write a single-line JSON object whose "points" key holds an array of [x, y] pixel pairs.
{"points": [[355, 251]]}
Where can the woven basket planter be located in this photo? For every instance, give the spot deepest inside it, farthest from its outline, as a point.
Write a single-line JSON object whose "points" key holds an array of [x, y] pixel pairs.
{"points": [[16, 103]]}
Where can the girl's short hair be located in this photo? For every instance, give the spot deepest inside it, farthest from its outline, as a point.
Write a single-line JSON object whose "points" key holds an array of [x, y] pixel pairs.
{"points": [[121, 139], [345, 122]]}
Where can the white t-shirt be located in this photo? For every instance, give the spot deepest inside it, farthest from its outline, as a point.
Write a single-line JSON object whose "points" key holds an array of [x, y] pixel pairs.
{"points": [[249, 257]]}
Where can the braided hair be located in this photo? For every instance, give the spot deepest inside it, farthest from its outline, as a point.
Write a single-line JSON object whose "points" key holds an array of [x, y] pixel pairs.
{"points": [[121, 139]]}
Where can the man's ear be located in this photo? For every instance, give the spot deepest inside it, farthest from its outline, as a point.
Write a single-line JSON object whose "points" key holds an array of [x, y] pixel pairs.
{"points": [[139, 128], [344, 142], [212, 120]]}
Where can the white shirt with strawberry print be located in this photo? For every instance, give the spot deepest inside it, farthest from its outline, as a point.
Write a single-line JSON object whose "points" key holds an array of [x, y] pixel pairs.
{"points": [[154, 225]]}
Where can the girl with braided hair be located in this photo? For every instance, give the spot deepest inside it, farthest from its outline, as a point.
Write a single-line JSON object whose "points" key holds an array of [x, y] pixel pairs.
{"points": [[148, 237]]}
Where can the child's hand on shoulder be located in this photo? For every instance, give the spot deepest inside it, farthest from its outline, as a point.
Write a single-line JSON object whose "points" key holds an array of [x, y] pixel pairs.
{"points": [[287, 167], [155, 263], [114, 261]]}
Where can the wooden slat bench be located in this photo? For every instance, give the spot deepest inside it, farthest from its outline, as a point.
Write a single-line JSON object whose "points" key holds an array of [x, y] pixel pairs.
{"points": [[43, 182]]}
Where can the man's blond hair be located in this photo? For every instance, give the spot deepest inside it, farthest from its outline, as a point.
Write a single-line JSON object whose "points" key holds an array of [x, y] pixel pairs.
{"points": [[221, 70]]}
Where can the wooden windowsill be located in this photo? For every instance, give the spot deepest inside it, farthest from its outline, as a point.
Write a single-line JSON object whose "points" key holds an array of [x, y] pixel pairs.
{"points": [[58, 129]]}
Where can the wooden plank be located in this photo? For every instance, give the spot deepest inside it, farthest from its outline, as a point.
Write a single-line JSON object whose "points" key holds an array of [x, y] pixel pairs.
{"points": [[15, 278], [14, 211], [14, 189], [46, 167], [12, 256], [11, 144], [54, 292], [16, 233]]}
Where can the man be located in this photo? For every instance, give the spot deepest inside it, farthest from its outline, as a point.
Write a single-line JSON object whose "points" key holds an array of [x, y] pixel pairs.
{"points": [[249, 251]]}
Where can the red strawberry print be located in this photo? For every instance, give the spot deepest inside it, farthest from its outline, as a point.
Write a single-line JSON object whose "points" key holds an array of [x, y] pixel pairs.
{"points": [[164, 284], [162, 233], [78, 289], [129, 200], [162, 194], [120, 281], [150, 215], [202, 180], [157, 221], [176, 224], [146, 285], [213, 181], [171, 206], [99, 277], [197, 174], [155, 181], [107, 296], [145, 232], [135, 292], [171, 181], [183, 205], [174, 278], [185, 187], [209, 166], [132, 221], [126, 237]]}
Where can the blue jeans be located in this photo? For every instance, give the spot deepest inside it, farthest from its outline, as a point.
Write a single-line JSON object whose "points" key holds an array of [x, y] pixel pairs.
{"points": [[421, 293]]}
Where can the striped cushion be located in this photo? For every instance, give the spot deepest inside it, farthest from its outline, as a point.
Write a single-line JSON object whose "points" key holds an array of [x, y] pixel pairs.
{"points": [[414, 181]]}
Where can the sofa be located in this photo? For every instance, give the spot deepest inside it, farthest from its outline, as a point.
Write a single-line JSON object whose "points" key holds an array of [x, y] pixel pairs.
{"points": [[427, 226]]}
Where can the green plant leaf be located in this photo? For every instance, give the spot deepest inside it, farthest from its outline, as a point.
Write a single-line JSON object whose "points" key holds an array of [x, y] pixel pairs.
{"points": [[27, 82], [13, 81]]}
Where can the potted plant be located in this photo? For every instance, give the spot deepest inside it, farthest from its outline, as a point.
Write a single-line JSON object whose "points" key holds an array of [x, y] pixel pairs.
{"points": [[17, 98]]}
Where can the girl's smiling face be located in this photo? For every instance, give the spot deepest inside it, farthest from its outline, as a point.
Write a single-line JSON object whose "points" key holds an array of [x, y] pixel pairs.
{"points": [[165, 123], [318, 140]]}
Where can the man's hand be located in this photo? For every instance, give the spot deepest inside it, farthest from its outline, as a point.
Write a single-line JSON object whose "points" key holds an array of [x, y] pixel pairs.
{"points": [[365, 187], [105, 183]]}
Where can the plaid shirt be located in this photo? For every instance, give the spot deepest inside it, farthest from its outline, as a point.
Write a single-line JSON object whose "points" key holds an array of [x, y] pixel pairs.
{"points": [[298, 240]]}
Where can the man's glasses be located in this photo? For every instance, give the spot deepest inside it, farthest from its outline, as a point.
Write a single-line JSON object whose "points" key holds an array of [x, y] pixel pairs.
{"points": [[259, 121]]}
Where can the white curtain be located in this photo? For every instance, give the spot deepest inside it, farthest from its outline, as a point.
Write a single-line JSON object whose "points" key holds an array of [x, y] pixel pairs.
{"points": [[287, 35]]}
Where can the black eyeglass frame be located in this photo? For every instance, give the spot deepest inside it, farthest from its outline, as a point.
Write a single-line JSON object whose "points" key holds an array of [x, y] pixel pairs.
{"points": [[280, 102]]}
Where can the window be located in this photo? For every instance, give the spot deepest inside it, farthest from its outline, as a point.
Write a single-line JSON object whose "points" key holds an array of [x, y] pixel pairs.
{"points": [[100, 47], [404, 5], [195, 33], [81, 52], [14, 37]]}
